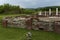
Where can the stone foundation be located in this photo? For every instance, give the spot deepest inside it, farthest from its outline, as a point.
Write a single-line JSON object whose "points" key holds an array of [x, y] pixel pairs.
{"points": [[33, 22]]}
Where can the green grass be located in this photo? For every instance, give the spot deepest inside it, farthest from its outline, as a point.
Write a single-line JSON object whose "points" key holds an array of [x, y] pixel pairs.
{"points": [[12, 15], [1, 16], [19, 34]]}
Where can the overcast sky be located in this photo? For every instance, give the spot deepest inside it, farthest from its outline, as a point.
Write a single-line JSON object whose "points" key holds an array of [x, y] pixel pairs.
{"points": [[32, 3]]}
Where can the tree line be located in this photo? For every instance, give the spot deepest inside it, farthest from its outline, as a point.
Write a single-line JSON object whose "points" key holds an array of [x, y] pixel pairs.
{"points": [[47, 8], [12, 9]]}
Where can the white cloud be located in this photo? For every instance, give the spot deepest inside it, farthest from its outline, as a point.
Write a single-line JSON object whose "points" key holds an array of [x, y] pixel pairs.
{"points": [[1, 2], [27, 0], [31, 3]]}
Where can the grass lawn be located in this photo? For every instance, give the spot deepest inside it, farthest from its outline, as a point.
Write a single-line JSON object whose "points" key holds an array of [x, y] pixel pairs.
{"points": [[19, 34], [1, 16]]}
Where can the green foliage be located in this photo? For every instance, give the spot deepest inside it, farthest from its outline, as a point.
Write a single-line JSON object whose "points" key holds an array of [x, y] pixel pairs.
{"points": [[47, 8], [9, 9], [28, 11], [19, 34]]}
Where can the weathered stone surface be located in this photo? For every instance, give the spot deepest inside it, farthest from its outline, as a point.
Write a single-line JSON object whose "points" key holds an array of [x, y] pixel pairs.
{"points": [[57, 27], [33, 22]]}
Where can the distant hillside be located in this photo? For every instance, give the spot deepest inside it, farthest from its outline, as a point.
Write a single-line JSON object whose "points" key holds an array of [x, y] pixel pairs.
{"points": [[47, 8]]}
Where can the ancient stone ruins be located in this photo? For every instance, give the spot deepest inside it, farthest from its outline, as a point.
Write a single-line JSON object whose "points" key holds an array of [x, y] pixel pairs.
{"points": [[47, 21]]}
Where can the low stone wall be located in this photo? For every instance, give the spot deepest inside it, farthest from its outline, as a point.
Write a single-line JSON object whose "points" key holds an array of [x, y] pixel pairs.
{"points": [[14, 22], [29, 23], [32, 23], [19, 24]]}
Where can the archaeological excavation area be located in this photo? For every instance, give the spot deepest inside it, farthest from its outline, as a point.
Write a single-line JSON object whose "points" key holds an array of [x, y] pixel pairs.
{"points": [[46, 21]]}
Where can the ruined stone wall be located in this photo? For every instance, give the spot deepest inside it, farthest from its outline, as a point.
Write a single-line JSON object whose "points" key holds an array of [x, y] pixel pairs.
{"points": [[14, 22], [31, 23], [19, 24]]}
